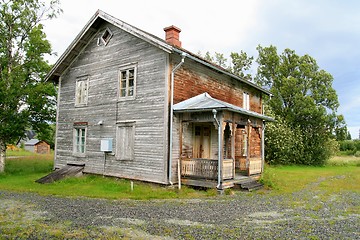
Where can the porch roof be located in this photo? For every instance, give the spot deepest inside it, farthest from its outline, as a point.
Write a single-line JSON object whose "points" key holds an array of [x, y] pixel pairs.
{"points": [[204, 102]]}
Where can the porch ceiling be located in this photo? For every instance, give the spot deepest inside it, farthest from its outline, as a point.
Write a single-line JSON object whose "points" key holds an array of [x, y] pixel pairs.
{"points": [[204, 102]]}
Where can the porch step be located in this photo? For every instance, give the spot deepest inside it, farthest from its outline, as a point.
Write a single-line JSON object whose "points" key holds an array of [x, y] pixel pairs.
{"points": [[250, 185], [67, 171]]}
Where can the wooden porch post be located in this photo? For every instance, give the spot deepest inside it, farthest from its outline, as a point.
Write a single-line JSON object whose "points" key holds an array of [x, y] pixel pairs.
{"points": [[262, 146], [248, 146], [220, 152], [233, 143], [180, 153]]}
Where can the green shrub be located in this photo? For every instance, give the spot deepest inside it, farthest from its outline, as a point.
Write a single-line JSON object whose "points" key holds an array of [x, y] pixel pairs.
{"points": [[357, 144], [348, 145], [283, 144], [357, 154]]}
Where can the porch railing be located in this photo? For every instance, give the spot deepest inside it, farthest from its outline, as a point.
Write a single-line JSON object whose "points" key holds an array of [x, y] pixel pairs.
{"points": [[206, 168]]}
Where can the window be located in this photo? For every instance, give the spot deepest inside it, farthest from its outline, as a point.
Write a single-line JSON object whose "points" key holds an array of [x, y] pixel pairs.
{"points": [[81, 91], [127, 82], [106, 36], [79, 142], [246, 101], [125, 138]]}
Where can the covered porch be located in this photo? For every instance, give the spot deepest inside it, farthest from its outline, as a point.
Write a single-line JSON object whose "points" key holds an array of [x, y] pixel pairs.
{"points": [[219, 144]]}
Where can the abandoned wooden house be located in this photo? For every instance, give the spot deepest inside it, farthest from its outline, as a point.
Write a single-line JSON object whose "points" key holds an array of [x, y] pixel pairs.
{"points": [[135, 106]]}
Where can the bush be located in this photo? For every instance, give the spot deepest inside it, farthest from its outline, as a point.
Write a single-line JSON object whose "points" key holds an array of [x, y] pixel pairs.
{"points": [[287, 145], [357, 144], [349, 145], [357, 154], [283, 145]]}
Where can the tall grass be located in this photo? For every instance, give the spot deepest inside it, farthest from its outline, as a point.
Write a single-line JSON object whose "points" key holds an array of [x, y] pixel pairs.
{"points": [[28, 165]]}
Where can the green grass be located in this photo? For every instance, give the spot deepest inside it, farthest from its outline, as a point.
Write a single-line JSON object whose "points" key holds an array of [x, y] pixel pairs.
{"points": [[340, 174], [22, 152], [20, 175]]}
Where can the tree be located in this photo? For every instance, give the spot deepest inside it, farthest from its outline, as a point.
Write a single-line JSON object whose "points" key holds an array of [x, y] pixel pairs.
{"points": [[25, 99], [220, 60], [348, 136], [303, 98], [241, 63], [340, 130], [48, 135]]}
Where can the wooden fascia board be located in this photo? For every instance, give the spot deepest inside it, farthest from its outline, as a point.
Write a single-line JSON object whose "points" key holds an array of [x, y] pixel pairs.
{"points": [[72, 45], [89, 28], [136, 32]]}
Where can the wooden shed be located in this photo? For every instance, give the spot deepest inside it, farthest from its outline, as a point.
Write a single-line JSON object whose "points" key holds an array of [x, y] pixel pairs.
{"points": [[37, 146]]}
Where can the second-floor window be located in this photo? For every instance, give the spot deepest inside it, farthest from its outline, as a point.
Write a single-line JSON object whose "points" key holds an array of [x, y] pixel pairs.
{"points": [[127, 82], [246, 101], [81, 91]]}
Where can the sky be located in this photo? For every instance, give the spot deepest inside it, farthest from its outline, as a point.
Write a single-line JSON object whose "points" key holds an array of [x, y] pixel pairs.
{"points": [[327, 30]]}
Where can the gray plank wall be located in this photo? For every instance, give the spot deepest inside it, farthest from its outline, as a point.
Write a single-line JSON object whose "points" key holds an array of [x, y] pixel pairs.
{"points": [[149, 110]]}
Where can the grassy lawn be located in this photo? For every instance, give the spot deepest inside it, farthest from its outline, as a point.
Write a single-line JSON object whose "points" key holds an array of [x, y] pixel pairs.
{"points": [[341, 174], [21, 173]]}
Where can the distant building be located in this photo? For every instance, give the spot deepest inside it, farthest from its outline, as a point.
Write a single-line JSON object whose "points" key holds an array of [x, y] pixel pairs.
{"points": [[37, 146]]}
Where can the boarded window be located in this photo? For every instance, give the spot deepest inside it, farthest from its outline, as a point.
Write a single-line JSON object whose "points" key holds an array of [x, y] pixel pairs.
{"points": [[127, 82], [125, 138], [79, 142], [81, 92], [246, 101]]}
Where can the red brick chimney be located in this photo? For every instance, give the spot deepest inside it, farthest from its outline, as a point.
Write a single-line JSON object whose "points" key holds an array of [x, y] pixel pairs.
{"points": [[172, 35]]}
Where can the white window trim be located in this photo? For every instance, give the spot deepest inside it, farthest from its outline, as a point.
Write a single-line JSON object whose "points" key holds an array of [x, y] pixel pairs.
{"points": [[246, 101], [106, 41], [117, 152], [125, 68], [86, 80], [75, 152]]}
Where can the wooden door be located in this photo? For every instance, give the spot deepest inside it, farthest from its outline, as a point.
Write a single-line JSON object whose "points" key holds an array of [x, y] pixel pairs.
{"points": [[202, 141]]}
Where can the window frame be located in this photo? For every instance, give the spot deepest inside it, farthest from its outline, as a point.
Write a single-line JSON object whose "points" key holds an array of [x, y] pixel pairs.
{"points": [[127, 68], [246, 101], [129, 144], [106, 40], [84, 79], [76, 145]]}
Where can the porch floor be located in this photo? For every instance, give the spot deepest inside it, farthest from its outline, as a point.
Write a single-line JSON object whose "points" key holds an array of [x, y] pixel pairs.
{"points": [[238, 180]]}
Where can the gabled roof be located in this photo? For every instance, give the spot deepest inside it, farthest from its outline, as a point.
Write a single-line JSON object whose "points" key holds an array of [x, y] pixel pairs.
{"points": [[32, 142], [204, 102], [88, 32], [91, 28]]}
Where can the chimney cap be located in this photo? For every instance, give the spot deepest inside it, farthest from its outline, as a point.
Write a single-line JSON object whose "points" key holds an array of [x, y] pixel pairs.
{"points": [[172, 27]]}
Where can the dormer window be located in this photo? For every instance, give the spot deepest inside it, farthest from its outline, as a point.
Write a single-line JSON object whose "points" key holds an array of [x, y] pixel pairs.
{"points": [[106, 36]]}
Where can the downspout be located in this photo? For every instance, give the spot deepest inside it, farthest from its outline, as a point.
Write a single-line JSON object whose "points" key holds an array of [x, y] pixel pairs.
{"points": [[219, 148], [183, 55]]}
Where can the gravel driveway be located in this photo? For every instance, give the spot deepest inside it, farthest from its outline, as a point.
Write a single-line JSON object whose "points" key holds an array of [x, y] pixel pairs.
{"points": [[302, 215]]}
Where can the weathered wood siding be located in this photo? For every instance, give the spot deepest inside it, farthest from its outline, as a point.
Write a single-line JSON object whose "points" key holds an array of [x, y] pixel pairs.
{"points": [[42, 147], [193, 79], [148, 111]]}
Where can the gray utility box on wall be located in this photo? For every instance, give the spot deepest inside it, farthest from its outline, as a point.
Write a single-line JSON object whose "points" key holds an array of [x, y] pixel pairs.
{"points": [[106, 145]]}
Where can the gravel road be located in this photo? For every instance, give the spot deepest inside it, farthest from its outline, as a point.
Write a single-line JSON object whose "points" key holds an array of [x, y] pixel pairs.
{"points": [[301, 215]]}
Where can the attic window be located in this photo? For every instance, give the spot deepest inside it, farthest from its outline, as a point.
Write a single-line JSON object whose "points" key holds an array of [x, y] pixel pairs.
{"points": [[106, 36]]}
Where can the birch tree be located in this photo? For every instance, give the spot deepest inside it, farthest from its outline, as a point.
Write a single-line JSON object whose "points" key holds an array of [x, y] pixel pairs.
{"points": [[25, 99]]}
